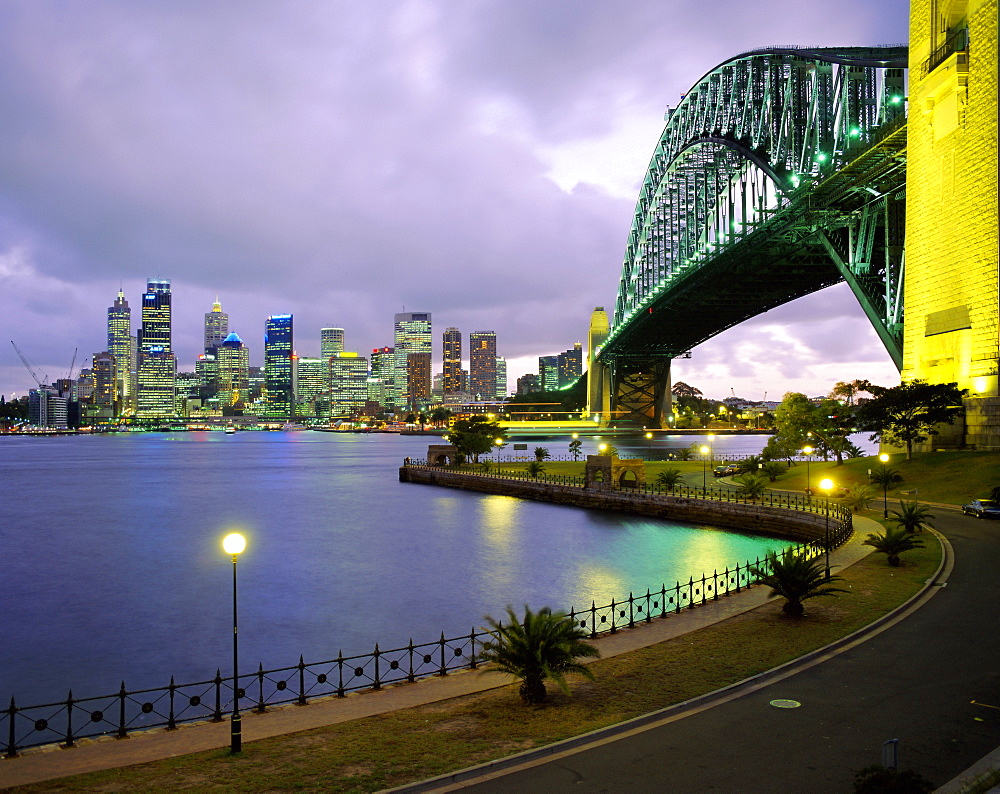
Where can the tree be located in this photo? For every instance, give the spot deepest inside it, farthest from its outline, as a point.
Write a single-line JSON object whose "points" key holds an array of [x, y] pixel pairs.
{"points": [[749, 464], [476, 436], [541, 453], [773, 470], [574, 448], [543, 644], [669, 479], [800, 422], [796, 578], [908, 414], [847, 391], [681, 389], [912, 516], [536, 468], [440, 416], [893, 542], [752, 485], [859, 498], [886, 477], [610, 449]]}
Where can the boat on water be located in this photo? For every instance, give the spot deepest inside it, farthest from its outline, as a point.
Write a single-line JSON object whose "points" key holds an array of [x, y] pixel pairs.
{"points": [[230, 430]]}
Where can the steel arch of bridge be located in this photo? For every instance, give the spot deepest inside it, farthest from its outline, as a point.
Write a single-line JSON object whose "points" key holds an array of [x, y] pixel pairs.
{"points": [[782, 171]]}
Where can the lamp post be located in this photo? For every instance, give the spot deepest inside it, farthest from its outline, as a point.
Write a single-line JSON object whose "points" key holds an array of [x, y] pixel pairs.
{"points": [[704, 474], [885, 486], [808, 451], [827, 485], [234, 544]]}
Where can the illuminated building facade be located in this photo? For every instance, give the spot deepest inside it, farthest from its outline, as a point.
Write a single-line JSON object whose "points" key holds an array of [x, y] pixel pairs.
{"points": [[104, 371], [483, 364], [412, 335], [278, 349], [155, 390], [451, 381], [570, 363], [331, 340], [349, 383], [951, 331], [121, 344], [501, 368], [383, 363], [312, 379], [418, 380], [216, 327], [548, 373], [233, 372]]}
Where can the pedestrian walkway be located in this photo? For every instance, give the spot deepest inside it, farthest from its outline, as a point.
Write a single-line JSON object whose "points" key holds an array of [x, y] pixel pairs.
{"points": [[53, 761]]}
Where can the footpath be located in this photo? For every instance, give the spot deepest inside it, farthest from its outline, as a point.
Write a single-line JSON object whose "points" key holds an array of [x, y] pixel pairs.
{"points": [[51, 762]]}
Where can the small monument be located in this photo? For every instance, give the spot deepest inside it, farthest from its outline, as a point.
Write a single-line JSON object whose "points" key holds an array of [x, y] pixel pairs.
{"points": [[609, 472]]}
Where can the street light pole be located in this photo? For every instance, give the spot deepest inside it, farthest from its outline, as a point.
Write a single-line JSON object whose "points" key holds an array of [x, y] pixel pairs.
{"points": [[234, 544], [808, 451], [704, 474], [827, 485], [885, 485]]}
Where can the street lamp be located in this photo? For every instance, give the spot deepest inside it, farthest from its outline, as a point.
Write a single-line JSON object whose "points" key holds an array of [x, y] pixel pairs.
{"points": [[885, 485], [704, 474], [827, 485], [234, 544], [808, 451]]}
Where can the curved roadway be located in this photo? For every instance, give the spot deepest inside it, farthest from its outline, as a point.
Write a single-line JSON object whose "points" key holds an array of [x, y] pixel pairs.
{"points": [[930, 680]]}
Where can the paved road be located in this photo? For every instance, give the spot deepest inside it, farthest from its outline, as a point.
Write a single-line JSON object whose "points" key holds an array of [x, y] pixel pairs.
{"points": [[914, 682]]}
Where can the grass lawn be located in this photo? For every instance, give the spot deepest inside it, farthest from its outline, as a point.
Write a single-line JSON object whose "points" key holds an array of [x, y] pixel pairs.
{"points": [[379, 752]]}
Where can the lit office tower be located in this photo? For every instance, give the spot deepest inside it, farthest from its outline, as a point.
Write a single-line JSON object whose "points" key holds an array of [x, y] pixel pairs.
{"points": [[331, 340], [157, 366], [451, 383], [349, 383], [121, 344], [312, 378], [380, 378], [501, 378], [206, 368], [105, 374], [483, 365], [418, 380], [570, 365], [278, 365], [233, 368], [216, 326], [412, 335], [548, 373]]}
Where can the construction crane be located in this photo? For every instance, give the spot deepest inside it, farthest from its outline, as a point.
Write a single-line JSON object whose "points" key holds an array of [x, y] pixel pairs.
{"points": [[72, 364], [28, 366]]}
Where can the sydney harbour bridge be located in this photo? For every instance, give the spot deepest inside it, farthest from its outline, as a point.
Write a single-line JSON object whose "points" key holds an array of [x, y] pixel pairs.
{"points": [[781, 171]]}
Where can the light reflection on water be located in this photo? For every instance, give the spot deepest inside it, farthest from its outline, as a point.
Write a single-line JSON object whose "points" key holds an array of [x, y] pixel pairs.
{"points": [[112, 569]]}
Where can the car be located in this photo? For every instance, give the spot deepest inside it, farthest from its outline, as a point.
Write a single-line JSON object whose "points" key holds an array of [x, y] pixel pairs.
{"points": [[725, 471], [982, 508]]}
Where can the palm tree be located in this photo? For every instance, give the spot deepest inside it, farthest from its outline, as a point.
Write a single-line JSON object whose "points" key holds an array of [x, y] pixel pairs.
{"points": [[773, 469], [886, 477], [752, 485], [893, 543], [796, 578], [536, 468], [544, 644], [541, 453], [669, 478], [859, 498], [912, 516], [487, 466]]}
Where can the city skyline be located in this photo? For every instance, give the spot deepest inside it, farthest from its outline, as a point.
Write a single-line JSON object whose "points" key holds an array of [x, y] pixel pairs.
{"points": [[509, 140]]}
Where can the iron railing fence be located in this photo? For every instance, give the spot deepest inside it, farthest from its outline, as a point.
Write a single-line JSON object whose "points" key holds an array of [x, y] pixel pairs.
{"points": [[120, 713]]}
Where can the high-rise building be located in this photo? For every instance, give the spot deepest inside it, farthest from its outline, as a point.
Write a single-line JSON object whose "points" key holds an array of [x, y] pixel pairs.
{"points": [[121, 344], [418, 380], [349, 383], [233, 368], [483, 365], [155, 396], [451, 382], [47, 409], [501, 378], [527, 383], [331, 340], [105, 374], [380, 379], [548, 373], [412, 335], [570, 365], [206, 368], [312, 378], [278, 351], [216, 326]]}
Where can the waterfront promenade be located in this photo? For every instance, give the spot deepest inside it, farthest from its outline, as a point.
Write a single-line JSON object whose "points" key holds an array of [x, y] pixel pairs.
{"points": [[47, 763]]}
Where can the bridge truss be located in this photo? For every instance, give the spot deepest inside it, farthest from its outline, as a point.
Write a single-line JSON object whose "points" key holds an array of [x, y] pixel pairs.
{"points": [[780, 172]]}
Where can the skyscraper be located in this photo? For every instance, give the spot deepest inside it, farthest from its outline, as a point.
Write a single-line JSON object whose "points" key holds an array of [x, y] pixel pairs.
{"points": [[412, 335], [418, 380], [483, 365], [278, 348], [452, 362], [548, 373], [157, 366], [349, 381], [501, 378], [331, 340], [381, 377], [121, 345], [104, 369], [216, 326], [312, 378], [233, 367], [570, 365]]}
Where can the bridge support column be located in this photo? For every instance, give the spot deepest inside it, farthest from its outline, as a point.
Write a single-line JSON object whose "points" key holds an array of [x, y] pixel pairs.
{"points": [[641, 389]]}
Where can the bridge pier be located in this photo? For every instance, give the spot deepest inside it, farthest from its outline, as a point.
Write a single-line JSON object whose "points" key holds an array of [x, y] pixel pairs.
{"points": [[641, 391]]}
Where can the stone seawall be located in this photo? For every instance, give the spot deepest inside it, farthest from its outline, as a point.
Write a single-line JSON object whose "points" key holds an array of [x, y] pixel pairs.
{"points": [[796, 525]]}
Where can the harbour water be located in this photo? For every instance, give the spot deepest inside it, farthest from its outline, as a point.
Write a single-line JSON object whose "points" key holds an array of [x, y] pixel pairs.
{"points": [[111, 566]]}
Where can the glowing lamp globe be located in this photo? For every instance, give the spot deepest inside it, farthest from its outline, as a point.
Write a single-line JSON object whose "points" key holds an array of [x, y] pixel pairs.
{"points": [[234, 543], [884, 458], [807, 450], [826, 485]]}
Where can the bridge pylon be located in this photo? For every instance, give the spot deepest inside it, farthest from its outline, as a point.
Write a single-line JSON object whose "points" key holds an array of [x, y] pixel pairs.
{"points": [[640, 391]]}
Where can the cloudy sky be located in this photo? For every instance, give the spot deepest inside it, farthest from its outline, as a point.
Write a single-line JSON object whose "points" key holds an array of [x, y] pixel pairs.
{"points": [[477, 159]]}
